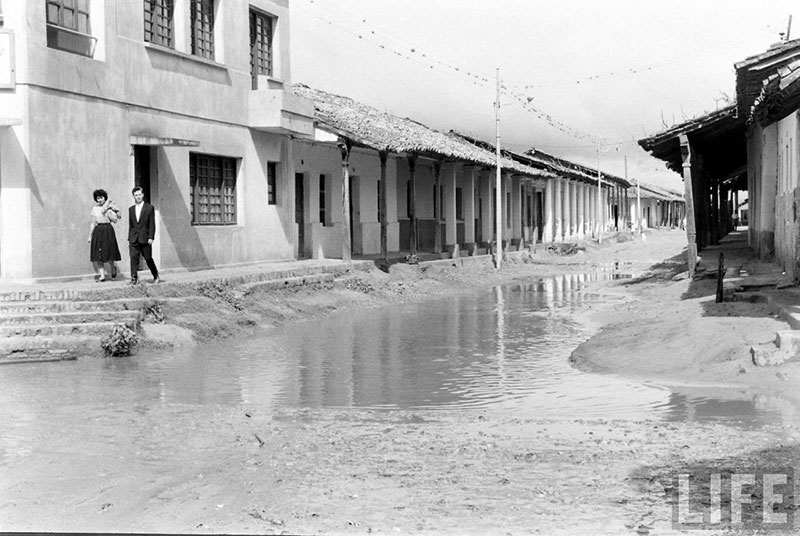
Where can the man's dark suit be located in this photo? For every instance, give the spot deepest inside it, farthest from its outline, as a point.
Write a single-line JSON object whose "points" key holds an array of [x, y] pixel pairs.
{"points": [[139, 232]]}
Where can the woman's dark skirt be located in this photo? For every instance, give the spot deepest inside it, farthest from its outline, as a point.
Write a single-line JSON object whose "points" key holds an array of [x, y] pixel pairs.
{"points": [[104, 244]]}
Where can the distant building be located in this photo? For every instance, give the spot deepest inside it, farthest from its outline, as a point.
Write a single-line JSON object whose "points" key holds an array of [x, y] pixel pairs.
{"points": [[189, 99]]}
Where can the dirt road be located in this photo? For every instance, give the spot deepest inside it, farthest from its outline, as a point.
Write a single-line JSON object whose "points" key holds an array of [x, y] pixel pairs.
{"points": [[472, 471]]}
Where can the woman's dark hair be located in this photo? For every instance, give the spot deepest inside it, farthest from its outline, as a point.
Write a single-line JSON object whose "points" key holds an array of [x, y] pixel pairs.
{"points": [[99, 193]]}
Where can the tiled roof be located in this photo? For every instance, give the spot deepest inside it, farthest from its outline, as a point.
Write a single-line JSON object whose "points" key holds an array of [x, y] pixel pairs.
{"points": [[651, 191], [754, 70], [371, 128], [558, 166]]}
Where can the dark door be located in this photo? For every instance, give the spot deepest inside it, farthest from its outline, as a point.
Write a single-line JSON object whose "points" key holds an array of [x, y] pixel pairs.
{"points": [[141, 169], [299, 219], [539, 216], [352, 216]]}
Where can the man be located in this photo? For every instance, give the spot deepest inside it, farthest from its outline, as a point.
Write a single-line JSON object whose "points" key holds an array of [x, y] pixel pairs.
{"points": [[141, 232]]}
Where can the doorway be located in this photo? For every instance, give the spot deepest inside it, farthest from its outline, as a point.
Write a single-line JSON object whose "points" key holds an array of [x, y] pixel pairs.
{"points": [[141, 170], [299, 213]]}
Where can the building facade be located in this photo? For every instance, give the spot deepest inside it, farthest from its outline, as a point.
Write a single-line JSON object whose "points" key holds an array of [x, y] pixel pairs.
{"points": [[171, 96]]}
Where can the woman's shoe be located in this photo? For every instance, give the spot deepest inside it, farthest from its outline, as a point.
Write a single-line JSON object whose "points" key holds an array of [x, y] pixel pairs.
{"points": [[101, 279], [113, 271]]}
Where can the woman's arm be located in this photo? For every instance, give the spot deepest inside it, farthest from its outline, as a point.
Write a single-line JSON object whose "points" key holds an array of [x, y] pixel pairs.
{"points": [[92, 225]]}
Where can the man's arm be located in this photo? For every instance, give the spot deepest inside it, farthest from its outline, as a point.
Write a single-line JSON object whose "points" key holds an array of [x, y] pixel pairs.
{"points": [[151, 224]]}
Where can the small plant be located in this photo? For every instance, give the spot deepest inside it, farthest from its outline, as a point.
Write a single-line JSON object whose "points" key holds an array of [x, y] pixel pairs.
{"points": [[152, 310], [120, 341], [219, 291]]}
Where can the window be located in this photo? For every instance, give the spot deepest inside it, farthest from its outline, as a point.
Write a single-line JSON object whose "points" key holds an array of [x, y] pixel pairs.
{"points": [[508, 209], [272, 183], [261, 31], [212, 182], [158, 22], [459, 205], [203, 28], [322, 206], [68, 26], [71, 14]]}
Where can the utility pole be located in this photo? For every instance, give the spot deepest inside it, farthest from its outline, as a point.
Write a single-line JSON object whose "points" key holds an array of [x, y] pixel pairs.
{"points": [[498, 182], [638, 199]]}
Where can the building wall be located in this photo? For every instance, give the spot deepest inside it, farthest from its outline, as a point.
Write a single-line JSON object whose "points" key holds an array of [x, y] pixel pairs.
{"points": [[80, 113], [324, 239], [788, 195], [766, 183]]}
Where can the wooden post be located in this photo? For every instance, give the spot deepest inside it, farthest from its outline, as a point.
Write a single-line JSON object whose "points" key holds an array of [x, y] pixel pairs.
{"points": [[412, 167], [437, 209], [344, 149], [383, 155], [691, 230], [720, 276]]}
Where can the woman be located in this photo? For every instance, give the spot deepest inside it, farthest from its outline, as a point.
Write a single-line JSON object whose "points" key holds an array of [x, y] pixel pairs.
{"points": [[102, 238]]}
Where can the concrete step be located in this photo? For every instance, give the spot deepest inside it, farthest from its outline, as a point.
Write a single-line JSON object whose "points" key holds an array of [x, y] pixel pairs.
{"points": [[274, 284], [38, 330], [33, 307], [177, 279], [70, 317], [48, 348]]}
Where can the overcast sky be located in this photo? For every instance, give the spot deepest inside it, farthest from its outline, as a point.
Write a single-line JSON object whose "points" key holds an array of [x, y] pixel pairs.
{"points": [[617, 70]]}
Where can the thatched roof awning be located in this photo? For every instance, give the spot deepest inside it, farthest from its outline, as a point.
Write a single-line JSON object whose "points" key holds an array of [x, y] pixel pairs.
{"points": [[368, 127], [718, 126]]}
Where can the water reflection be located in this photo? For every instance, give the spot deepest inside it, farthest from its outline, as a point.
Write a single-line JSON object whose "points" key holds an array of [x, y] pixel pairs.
{"points": [[507, 348]]}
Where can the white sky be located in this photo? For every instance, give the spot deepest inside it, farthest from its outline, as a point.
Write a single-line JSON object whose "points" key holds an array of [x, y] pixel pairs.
{"points": [[575, 56]]}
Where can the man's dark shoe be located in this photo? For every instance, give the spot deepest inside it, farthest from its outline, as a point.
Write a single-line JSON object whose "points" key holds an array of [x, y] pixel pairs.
{"points": [[156, 280], [133, 281]]}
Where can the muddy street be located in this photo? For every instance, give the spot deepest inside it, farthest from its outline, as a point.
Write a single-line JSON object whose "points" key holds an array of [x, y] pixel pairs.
{"points": [[457, 414]]}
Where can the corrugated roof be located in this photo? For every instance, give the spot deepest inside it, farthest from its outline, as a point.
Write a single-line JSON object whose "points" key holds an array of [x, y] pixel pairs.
{"points": [[371, 128]]}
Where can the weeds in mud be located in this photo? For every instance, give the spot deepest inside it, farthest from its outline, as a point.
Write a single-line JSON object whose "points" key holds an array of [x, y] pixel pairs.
{"points": [[219, 291], [120, 341], [358, 285], [152, 310]]}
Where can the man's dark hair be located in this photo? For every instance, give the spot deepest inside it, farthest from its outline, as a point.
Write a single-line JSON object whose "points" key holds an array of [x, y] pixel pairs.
{"points": [[137, 188]]}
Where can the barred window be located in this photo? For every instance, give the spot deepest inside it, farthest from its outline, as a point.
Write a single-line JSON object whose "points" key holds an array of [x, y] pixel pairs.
{"points": [[261, 28], [212, 189], [203, 28], [72, 14], [158, 22], [272, 183]]}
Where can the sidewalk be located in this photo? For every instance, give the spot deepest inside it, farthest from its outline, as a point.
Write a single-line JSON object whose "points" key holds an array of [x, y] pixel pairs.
{"points": [[89, 288], [748, 278]]}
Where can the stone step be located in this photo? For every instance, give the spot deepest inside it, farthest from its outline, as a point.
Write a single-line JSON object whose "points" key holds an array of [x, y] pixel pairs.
{"points": [[39, 330], [275, 284], [70, 317], [48, 348], [178, 279], [33, 307]]}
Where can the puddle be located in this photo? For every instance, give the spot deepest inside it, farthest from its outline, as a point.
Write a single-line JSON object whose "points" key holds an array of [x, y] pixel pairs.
{"points": [[506, 349]]}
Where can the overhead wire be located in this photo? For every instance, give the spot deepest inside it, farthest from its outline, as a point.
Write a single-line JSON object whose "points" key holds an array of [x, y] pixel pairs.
{"points": [[366, 31]]}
